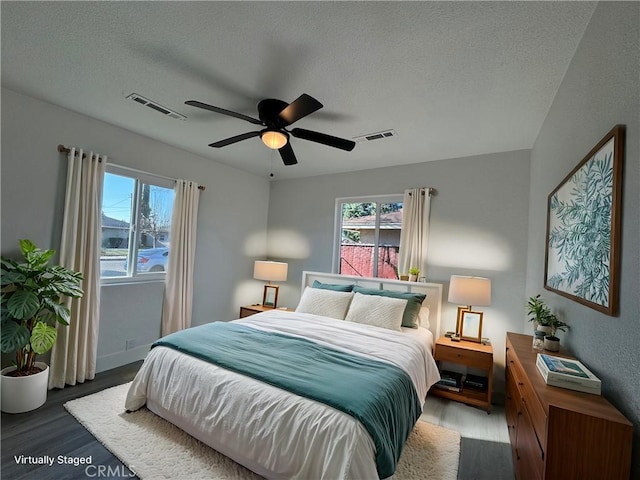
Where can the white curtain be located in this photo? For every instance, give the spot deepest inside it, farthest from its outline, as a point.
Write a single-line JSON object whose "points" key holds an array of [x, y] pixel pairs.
{"points": [[73, 358], [178, 294], [415, 230]]}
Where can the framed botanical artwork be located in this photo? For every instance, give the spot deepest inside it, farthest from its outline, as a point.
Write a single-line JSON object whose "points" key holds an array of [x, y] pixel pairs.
{"points": [[471, 326], [582, 254]]}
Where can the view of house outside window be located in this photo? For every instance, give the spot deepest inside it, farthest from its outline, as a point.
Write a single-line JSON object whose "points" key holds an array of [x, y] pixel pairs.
{"points": [[136, 221], [369, 237]]}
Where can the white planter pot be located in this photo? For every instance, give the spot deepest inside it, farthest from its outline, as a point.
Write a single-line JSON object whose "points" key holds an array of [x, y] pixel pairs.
{"points": [[545, 329], [413, 278], [551, 345], [23, 394]]}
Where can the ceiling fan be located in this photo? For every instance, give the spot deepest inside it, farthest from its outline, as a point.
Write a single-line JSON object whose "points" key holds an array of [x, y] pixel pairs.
{"points": [[276, 115]]}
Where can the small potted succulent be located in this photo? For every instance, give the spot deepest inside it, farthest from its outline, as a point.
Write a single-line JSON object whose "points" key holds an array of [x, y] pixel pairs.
{"points": [[413, 274], [32, 305]]}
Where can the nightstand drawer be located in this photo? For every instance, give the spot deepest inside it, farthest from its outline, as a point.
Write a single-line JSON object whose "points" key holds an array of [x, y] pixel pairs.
{"points": [[246, 312], [249, 310], [469, 358]]}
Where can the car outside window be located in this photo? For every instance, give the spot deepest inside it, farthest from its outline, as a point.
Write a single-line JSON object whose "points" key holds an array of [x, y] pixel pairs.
{"points": [[136, 223]]}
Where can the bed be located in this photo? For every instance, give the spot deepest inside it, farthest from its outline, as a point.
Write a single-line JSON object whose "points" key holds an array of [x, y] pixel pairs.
{"points": [[306, 429]]}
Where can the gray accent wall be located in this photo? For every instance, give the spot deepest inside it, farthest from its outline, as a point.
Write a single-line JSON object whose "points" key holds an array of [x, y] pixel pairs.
{"points": [[232, 217], [478, 227], [601, 89]]}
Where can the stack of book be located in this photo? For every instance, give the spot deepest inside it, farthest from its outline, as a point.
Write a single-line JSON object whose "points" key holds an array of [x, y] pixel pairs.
{"points": [[476, 382], [567, 373], [451, 381]]}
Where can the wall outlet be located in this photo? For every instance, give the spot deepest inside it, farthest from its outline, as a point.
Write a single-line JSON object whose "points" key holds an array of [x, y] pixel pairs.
{"points": [[131, 343]]}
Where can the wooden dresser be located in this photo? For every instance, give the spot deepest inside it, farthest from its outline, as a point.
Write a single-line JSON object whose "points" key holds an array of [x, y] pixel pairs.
{"points": [[560, 434]]}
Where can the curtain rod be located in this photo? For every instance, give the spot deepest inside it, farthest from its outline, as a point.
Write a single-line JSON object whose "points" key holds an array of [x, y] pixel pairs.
{"points": [[63, 149]]}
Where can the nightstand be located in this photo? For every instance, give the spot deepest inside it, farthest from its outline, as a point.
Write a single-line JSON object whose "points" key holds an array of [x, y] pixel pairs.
{"points": [[471, 355], [248, 310]]}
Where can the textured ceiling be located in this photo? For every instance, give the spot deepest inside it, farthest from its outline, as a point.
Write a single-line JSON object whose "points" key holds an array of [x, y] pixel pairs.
{"points": [[451, 78]]}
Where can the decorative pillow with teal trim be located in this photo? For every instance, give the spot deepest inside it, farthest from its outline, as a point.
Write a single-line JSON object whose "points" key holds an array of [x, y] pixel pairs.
{"points": [[411, 311], [336, 287]]}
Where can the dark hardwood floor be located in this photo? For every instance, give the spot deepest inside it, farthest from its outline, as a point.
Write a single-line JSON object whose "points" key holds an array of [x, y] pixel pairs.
{"points": [[51, 431]]}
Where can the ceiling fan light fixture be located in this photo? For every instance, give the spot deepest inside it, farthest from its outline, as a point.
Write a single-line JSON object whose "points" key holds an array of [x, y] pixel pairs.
{"points": [[274, 139]]}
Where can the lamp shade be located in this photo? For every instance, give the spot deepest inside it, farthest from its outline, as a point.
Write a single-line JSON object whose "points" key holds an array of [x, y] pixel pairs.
{"points": [[270, 271], [469, 290]]}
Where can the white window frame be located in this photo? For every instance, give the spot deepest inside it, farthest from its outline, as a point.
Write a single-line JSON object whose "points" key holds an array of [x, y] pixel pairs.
{"points": [[139, 178], [337, 222]]}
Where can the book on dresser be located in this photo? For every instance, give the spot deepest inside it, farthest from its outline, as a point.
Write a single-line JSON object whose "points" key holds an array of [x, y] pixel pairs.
{"points": [[567, 373]]}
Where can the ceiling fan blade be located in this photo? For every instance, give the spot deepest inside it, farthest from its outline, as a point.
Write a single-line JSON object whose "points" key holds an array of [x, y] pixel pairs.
{"points": [[288, 157], [231, 140], [324, 139], [300, 107], [223, 111]]}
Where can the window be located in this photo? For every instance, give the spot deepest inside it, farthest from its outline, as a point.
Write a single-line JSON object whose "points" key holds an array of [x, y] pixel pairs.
{"points": [[136, 221], [368, 236]]}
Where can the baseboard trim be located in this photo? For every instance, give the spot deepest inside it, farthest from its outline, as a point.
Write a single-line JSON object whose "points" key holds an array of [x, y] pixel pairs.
{"points": [[119, 359]]}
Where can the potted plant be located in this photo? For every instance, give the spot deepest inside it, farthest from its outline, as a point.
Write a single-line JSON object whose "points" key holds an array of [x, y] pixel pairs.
{"points": [[545, 320], [31, 305], [539, 312], [413, 274], [551, 342]]}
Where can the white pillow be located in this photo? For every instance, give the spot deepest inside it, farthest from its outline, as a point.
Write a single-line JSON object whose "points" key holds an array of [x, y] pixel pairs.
{"points": [[328, 303], [423, 318], [385, 312]]}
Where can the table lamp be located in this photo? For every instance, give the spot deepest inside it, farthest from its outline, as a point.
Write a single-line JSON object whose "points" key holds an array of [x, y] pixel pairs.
{"points": [[464, 290], [271, 272]]}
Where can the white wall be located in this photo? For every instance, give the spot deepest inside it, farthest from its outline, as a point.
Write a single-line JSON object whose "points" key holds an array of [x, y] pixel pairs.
{"points": [[478, 227], [601, 89], [231, 220]]}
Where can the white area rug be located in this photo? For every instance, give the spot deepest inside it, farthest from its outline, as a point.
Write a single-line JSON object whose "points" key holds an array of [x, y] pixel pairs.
{"points": [[155, 449]]}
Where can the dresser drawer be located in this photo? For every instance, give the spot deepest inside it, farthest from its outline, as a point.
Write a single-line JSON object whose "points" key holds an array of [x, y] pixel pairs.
{"points": [[529, 399], [536, 413], [466, 357]]}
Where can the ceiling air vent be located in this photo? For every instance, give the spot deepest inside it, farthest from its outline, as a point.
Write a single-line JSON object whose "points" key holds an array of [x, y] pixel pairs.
{"points": [[375, 136], [156, 106]]}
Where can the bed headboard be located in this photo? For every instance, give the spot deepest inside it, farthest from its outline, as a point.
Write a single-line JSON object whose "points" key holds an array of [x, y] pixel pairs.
{"points": [[432, 290]]}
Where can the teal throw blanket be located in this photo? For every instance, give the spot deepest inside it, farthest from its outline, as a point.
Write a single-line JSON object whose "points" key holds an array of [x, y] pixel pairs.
{"points": [[379, 395]]}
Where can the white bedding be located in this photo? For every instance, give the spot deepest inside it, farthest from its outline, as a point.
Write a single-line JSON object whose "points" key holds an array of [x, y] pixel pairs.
{"points": [[273, 432]]}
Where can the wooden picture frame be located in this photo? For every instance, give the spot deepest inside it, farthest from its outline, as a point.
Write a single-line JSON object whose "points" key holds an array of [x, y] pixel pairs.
{"points": [[582, 249], [461, 310], [471, 326], [270, 296]]}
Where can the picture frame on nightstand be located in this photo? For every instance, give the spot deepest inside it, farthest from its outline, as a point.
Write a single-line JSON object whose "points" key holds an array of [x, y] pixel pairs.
{"points": [[461, 310], [270, 296], [471, 326]]}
